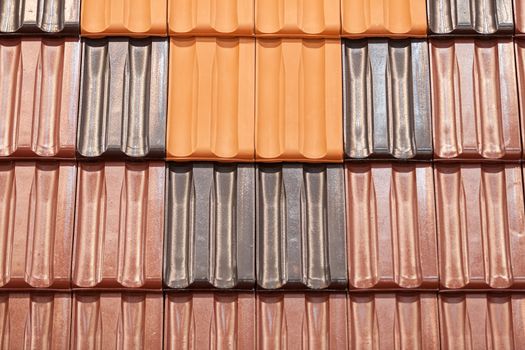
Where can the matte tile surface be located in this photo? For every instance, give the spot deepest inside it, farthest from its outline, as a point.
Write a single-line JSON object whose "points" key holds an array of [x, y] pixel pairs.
{"points": [[210, 226], [519, 17], [519, 49], [387, 112]]}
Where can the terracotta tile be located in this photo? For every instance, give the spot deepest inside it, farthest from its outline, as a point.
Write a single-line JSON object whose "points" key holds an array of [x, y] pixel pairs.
{"points": [[384, 18], [39, 17], [391, 226], [299, 99], [393, 321], [318, 18], [119, 225], [39, 89], [35, 320], [387, 109], [36, 224], [475, 99], [301, 227], [202, 321], [520, 62], [519, 17], [295, 321], [211, 17], [211, 99], [482, 321], [116, 321], [481, 226], [135, 18]]}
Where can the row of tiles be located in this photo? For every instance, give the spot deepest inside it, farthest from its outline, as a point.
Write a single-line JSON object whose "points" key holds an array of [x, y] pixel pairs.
{"points": [[268, 100], [266, 321], [280, 226], [353, 18]]}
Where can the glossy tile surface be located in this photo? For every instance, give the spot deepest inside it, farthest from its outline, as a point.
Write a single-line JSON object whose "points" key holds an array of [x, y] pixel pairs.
{"points": [[299, 99], [211, 99], [300, 227], [123, 98], [209, 238], [119, 225], [519, 49], [39, 83], [387, 112], [475, 99]]}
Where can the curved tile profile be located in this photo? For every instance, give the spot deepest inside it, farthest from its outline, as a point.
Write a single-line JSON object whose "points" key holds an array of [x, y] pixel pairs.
{"points": [[294, 321], [391, 226], [317, 18], [387, 111], [298, 102], [211, 99], [520, 62], [384, 18], [35, 320], [210, 17], [301, 227], [210, 226], [40, 17], [119, 225], [481, 226], [39, 89], [209, 321], [132, 18], [475, 99], [519, 17], [115, 321], [37, 202], [123, 98]]}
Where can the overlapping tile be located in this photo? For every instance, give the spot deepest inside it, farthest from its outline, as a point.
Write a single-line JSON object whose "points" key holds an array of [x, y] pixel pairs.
{"points": [[124, 320], [134, 18], [211, 17], [123, 98], [39, 88], [318, 18], [37, 202], [520, 63], [204, 321], [119, 225], [519, 17], [299, 99], [387, 112], [35, 320], [384, 18], [301, 227], [391, 226], [475, 100], [211, 99], [481, 226], [210, 226]]}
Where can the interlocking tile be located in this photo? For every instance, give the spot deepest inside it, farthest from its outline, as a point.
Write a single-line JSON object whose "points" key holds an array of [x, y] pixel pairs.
{"points": [[520, 62], [519, 17], [384, 18], [391, 226], [211, 17], [393, 321], [299, 99], [482, 321], [39, 17], [298, 18], [210, 226], [295, 321], [475, 99], [301, 226], [123, 98], [453, 17], [203, 321], [481, 226], [39, 83], [211, 99], [113, 320], [135, 18], [36, 224], [387, 99], [119, 225], [35, 320]]}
